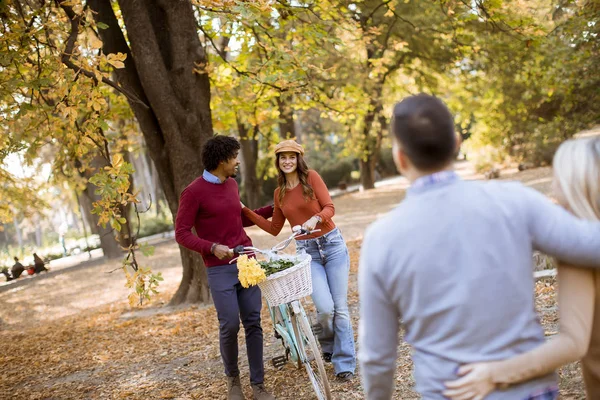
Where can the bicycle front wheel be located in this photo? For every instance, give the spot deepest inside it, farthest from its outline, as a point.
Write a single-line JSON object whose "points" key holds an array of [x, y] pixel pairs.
{"points": [[310, 355]]}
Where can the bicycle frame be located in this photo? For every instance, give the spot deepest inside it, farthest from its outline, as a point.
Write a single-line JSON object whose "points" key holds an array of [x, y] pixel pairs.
{"points": [[283, 326]]}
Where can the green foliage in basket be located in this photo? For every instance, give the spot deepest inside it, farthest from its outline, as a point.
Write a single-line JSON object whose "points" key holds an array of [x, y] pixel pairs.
{"points": [[274, 266]]}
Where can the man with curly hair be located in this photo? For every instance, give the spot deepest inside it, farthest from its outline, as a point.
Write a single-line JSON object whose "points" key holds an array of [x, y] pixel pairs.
{"points": [[211, 205]]}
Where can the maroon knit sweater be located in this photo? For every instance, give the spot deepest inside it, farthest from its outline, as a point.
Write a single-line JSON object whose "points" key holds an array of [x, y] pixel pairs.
{"points": [[215, 211]]}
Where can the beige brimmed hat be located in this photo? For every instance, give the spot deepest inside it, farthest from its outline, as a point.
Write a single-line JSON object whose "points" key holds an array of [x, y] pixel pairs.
{"points": [[289, 145]]}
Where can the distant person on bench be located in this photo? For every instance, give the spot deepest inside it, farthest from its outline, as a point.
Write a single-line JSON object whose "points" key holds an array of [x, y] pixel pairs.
{"points": [[5, 272], [38, 264], [17, 269]]}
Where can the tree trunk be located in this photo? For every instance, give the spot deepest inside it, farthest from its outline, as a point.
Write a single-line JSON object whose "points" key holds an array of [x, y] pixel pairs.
{"points": [[367, 172], [86, 212], [3, 235], [83, 223], [298, 127], [372, 143], [165, 70], [158, 196], [287, 128], [38, 231], [143, 174], [252, 190]]}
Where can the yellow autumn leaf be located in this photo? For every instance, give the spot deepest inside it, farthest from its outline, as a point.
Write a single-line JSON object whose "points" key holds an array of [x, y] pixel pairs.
{"points": [[97, 103], [119, 56], [116, 60], [95, 42], [117, 64], [98, 75], [133, 299], [117, 160]]}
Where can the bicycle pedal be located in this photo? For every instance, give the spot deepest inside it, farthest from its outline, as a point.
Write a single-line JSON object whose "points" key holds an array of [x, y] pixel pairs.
{"points": [[317, 329], [279, 361]]}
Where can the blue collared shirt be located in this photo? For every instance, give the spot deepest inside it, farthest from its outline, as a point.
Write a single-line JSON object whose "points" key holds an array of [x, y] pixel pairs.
{"points": [[430, 180], [208, 177]]}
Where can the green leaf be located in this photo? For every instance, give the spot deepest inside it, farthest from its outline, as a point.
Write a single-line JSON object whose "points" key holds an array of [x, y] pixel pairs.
{"points": [[115, 225], [102, 25], [147, 250]]}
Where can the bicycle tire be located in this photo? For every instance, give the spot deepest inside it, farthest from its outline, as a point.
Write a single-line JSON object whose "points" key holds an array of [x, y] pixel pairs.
{"points": [[311, 356]]}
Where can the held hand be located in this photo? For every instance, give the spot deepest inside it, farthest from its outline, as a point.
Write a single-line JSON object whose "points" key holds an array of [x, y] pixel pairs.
{"points": [[476, 383], [222, 252], [310, 224]]}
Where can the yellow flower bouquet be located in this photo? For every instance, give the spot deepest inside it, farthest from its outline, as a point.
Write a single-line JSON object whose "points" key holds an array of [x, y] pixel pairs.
{"points": [[250, 272]]}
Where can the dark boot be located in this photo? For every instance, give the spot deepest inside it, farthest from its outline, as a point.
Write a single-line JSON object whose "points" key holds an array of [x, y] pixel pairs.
{"points": [[260, 393], [234, 388]]}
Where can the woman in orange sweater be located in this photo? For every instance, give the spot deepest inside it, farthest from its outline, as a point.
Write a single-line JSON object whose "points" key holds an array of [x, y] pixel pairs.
{"points": [[577, 187], [303, 199]]}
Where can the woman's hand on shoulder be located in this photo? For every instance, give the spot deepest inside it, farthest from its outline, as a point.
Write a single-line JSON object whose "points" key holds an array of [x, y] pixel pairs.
{"points": [[475, 383]]}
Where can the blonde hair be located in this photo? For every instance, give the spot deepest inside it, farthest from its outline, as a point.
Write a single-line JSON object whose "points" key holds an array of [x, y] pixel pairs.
{"points": [[577, 173]]}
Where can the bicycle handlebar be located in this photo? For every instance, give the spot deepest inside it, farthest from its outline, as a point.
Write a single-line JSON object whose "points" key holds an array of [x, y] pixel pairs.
{"points": [[297, 232]]}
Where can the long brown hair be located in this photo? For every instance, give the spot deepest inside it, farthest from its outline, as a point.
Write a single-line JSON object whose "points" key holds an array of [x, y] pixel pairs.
{"points": [[302, 170]]}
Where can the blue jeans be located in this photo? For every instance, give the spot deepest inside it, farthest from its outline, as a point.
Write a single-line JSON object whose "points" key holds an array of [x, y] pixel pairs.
{"points": [[550, 393], [330, 268], [233, 302]]}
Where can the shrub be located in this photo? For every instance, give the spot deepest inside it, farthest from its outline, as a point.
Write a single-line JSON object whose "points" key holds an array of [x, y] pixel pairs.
{"points": [[386, 166], [337, 171]]}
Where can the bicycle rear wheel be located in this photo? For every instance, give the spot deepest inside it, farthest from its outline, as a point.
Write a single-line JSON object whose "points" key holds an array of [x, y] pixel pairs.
{"points": [[310, 355]]}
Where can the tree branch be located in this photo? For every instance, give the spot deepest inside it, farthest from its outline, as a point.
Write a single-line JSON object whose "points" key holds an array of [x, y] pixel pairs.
{"points": [[249, 74], [70, 46]]}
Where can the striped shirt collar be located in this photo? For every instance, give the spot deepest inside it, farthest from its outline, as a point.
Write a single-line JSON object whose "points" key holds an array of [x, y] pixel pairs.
{"points": [[425, 182]]}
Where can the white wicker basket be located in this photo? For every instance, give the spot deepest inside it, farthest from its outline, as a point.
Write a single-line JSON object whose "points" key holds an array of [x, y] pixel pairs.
{"points": [[290, 284]]}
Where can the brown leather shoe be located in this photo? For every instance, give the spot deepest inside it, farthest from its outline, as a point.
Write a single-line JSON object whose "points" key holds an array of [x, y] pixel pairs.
{"points": [[260, 393], [234, 388]]}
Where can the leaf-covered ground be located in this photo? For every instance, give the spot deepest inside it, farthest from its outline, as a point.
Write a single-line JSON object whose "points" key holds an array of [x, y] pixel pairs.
{"points": [[72, 336]]}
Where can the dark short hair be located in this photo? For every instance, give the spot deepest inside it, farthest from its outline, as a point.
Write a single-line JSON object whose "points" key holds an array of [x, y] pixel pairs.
{"points": [[425, 129], [219, 148]]}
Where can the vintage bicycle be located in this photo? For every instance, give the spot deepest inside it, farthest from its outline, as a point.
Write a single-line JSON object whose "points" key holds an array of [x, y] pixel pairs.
{"points": [[283, 292]]}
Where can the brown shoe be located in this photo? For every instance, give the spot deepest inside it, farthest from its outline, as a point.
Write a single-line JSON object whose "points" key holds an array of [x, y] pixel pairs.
{"points": [[260, 393], [234, 388]]}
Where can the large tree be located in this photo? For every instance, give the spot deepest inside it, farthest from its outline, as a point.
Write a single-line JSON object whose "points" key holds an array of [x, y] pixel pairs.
{"points": [[165, 70], [64, 64]]}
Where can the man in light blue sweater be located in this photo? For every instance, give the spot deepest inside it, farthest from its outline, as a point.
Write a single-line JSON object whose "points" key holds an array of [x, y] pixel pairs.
{"points": [[453, 264]]}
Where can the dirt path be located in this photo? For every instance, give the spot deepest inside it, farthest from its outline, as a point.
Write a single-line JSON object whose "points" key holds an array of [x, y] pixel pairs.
{"points": [[73, 336]]}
